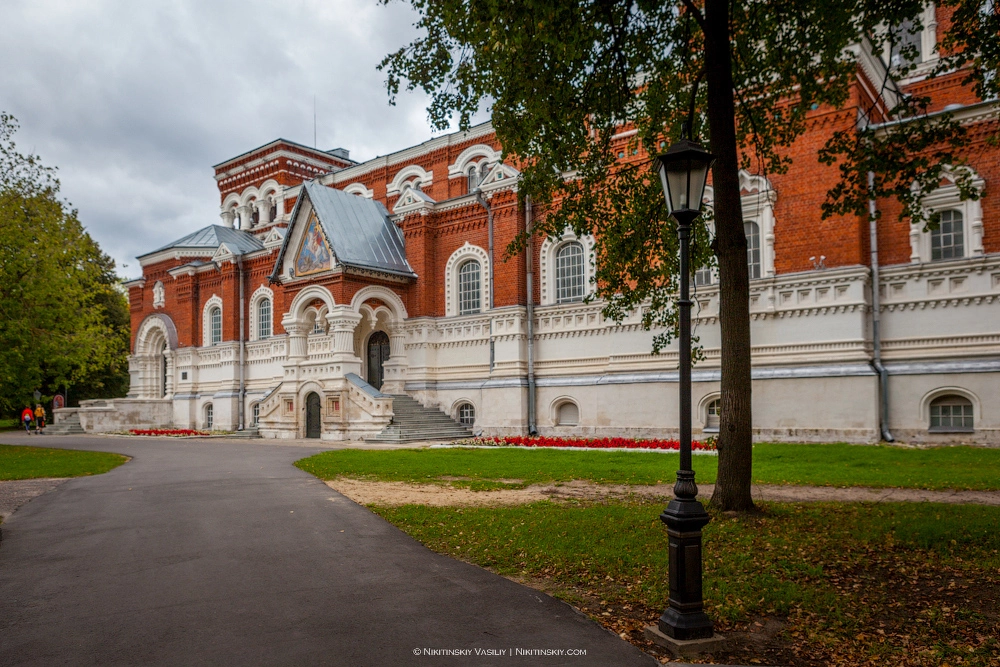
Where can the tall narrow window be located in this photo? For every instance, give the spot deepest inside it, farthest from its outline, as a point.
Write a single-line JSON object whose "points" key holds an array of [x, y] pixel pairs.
{"points": [[484, 171], [951, 413], [473, 175], [469, 292], [753, 248], [570, 277], [947, 241], [215, 323], [209, 417], [703, 276], [264, 327], [906, 48], [467, 414], [318, 327], [255, 415]]}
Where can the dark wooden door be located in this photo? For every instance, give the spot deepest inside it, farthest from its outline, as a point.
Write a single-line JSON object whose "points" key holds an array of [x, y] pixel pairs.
{"points": [[378, 354], [312, 415]]}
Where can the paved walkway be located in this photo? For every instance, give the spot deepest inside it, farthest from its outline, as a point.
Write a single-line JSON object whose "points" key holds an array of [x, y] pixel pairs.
{"points": [[221, 552]]}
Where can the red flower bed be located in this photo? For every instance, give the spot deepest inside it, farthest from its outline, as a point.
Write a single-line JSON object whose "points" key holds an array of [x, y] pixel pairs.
{"points": [[166, 431], [598, 443]]}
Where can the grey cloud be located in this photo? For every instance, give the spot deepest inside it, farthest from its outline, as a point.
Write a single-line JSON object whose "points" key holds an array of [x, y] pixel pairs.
{"points": [[135, 101]]}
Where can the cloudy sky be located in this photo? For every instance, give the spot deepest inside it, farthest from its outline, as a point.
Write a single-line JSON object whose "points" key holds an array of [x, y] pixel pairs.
{"points": [[135, 101]]}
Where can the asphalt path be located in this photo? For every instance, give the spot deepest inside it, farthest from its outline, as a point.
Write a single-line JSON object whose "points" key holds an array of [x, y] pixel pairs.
{"points": [[223, 553]]}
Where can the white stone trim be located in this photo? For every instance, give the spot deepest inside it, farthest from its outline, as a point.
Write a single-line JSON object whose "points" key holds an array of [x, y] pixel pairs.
{"points": [[423, 178], [703, 404], [261, 292], [467, 251], [206, 321], [948, 198], [359, 189], [469, 156], [757, 198], [547, 262], [158, 296], [296, 311], [459, 402], [383, 293]]}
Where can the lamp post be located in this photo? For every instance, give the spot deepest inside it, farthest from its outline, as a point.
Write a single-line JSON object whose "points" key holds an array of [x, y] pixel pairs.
{"points": [[683, 170]]}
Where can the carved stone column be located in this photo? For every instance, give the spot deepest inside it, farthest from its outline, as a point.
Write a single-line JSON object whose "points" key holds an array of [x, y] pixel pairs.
{"points": [[263, 211], [298, 342], [169, 381], [342, 321], [395, 368], [914, 244], [246, 220], [228, 218]]}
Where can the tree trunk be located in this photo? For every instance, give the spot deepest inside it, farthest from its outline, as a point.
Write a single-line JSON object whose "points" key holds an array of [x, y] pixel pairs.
{"points": [[732, 486]]}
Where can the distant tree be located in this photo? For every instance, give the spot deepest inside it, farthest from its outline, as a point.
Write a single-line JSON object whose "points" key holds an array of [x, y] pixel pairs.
{"points": [[564, 77], [63, 313]]}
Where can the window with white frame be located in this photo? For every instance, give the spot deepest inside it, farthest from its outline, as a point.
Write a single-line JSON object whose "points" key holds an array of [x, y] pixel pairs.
{"points": [[752, 230], [948, 240], [215, 325], [318, 325], [255, 415], [951, 414], [703, 276], [570, 273], [264, 321], [466, 414], [209, 416], [469, 287], [960, 230], [907, 45], [473, 177]]}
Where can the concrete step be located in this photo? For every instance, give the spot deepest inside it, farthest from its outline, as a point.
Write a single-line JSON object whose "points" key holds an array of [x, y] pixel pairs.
{"points": [[412, 422]]}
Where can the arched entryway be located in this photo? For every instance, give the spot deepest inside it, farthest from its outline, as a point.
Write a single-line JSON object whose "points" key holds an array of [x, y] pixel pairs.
{"points": [[313, 417], [378, 354]]}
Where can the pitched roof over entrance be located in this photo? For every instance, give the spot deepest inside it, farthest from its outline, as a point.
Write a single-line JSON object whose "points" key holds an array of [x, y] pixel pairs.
{"points": [[210, 238], [359, 230]]}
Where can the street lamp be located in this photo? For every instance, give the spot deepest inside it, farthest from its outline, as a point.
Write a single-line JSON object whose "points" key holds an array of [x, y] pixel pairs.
{"points": [[683, 171]]}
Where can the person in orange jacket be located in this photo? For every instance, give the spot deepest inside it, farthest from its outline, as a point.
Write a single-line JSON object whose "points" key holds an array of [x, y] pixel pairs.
{"points": [[26, 416], [39, 420]]}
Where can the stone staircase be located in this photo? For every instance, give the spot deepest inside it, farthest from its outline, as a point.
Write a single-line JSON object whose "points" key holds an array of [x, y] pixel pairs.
{"points": [[70, 425], [412, 422]]}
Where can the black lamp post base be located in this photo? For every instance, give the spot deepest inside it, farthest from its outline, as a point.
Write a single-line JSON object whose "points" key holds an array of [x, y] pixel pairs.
{"points": [[685, 617]]}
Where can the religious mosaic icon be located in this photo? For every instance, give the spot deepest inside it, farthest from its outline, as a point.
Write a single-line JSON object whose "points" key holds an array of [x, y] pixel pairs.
{"points": [[314, 252]]}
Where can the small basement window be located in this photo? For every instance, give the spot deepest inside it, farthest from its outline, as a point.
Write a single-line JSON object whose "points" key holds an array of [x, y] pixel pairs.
{"points": [[712, 414], [568, 414], [951, 414], [467, 414]]}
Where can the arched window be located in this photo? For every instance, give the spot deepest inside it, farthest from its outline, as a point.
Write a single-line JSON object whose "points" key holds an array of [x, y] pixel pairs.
{"points": [[466, 414], [273, 210], [215, 325], [473, 176], [484, 171], [568, 414], [318, 327], [712, 413], [947, 241], [951, 414], [209, 417], [264, 325], [570, 273], [753, 248], [255, 414], [469, 292]]}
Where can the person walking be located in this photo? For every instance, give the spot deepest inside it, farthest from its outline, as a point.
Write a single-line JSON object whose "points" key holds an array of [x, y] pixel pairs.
{"points": [[26, 417], [39, 420]]}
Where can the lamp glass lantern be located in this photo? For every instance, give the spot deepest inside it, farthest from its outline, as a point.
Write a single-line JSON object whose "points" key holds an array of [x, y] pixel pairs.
{"points": [[683, 171]]}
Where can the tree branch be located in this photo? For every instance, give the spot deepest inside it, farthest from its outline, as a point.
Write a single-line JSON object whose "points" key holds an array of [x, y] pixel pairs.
{"points": [[693, 9]]}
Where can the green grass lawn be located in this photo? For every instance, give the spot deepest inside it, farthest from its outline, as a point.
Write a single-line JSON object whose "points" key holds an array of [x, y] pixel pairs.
{"points": [[821, 465], [844, 584], [10, 424], [30, 462]]}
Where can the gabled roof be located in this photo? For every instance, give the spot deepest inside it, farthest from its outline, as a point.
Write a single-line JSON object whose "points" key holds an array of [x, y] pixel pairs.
{"points": [[210, 238], [359, 230]]}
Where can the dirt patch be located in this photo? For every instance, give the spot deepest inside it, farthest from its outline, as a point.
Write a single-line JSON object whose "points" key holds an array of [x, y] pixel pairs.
{"points": [[441, 495], [15, 493]]}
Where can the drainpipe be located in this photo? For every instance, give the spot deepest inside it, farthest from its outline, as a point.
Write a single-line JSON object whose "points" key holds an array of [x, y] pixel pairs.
{"points": [[883, 374], [243, 388], [529, 229], [489, 224]]}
